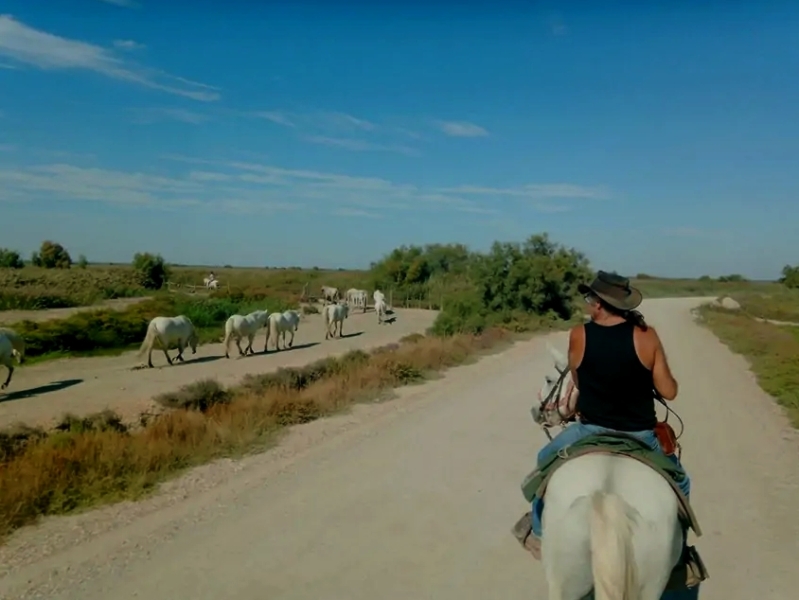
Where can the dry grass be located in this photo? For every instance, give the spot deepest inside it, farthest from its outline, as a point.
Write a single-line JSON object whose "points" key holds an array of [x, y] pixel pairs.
{"points": [[97, 460], [772, 350]]}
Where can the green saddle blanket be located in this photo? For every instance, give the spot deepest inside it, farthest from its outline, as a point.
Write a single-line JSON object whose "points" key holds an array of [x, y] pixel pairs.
{"points": [[534, 485]]}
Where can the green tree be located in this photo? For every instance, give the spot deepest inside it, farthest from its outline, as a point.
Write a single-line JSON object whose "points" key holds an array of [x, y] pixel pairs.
{"points": [[790, 276], [151, 269], [10, 259], [53, 255]]}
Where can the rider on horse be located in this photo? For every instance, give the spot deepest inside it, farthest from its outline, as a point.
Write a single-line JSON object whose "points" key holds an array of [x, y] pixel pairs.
{"points": [[618, 364]]}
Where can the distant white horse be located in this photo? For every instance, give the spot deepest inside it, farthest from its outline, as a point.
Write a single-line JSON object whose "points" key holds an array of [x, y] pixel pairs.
{"points": [[610, 522], [380, 309], [279, 325], [334, 314], [330, 294], [237, 327], [378, 295], [211, 284], [357, 298], [167, 331], [11, 346]]}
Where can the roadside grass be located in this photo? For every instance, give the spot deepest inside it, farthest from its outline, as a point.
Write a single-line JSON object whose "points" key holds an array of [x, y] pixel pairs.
{"points": [[98, 459], [772, 350]]}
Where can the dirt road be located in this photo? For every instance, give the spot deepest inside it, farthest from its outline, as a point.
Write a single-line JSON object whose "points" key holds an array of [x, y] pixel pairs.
{"points": [[415, 498], [15, 316], [40, 393]]}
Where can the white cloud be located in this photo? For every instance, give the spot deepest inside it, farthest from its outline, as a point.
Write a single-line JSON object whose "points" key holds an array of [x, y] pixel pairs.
{"points": [[123, 3], [461, 129], [46, 51], [360, 145], [275, 116], [535, 191], [154, 115], [128, 45]]}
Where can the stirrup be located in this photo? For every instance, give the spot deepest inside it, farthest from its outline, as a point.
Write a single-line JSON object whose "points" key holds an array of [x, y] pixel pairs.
{"points": [[689, 572]]}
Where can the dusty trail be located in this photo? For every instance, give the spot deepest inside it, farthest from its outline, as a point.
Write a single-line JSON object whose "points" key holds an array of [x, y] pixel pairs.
{"points": [[415, 499], [40, 393]]}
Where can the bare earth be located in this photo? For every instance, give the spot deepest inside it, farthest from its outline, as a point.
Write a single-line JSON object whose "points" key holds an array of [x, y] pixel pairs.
{"points": [[415, 498], [15, 316], [41, 393]]}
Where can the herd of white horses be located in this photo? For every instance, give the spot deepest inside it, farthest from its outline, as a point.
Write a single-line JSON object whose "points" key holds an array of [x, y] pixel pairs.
{"points": [[180, 332]]}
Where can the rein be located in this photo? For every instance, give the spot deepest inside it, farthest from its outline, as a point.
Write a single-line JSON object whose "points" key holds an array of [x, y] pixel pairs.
{"points": [[554, 397]]}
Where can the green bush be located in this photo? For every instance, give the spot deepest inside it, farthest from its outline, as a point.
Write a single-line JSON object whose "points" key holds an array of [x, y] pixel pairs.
{"points": [[10, 259], [790, 277], [53, 256], [198, 395], [151, 270]]}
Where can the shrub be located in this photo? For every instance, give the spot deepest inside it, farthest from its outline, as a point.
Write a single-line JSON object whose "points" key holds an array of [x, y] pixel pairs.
{"points": [[151, 270], [790, 277], [54, 256], [83, 262], [199, 395], [10, 259]]}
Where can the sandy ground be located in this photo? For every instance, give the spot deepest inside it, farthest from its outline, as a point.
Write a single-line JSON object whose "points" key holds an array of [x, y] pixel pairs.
{"points": [[414, 499], [15, 316], [40, 393]]}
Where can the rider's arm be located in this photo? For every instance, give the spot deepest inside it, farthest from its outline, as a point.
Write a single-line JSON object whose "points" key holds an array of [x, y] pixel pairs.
{"points": [[664, 381], [576, 351]]}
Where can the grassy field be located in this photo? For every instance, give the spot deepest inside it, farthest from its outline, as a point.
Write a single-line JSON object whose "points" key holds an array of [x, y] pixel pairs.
{"points": [[659, 287], [33, 288], [772, 350], [98, 460]]}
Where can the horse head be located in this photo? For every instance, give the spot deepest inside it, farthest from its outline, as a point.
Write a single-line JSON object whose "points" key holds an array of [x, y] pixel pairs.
{"points": [[557, 397]]}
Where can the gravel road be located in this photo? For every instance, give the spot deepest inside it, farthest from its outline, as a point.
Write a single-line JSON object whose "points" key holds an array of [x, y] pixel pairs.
{"points": [[414, 499], [40, 393]]}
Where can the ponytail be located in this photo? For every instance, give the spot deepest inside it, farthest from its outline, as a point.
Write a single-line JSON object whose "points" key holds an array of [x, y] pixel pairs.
{"points": [[636, 318]]}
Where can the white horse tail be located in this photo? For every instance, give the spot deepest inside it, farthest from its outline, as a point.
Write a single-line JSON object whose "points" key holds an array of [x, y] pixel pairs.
{"points": [[149, 339], [612, 555]]}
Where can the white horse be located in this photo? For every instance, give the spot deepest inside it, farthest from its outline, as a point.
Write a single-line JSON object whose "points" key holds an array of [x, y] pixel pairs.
{"points": [[167, 331], [211, 284], [237, 327], [378, 295], [380, 309], [330, 294], [357, 298], [11, 346], [334, 314], [279, 325], [610, 522]]}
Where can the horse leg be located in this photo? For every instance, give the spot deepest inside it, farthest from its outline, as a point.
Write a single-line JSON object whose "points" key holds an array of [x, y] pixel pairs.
{"points": [[10, 368], [291, 343], [238, 345], [181, 347], [249, 349], [164, 346]]}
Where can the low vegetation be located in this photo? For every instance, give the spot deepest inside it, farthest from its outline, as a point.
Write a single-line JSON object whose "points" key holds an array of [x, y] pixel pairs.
{"points": [[728, 285], [772, 349], [97, 459]]}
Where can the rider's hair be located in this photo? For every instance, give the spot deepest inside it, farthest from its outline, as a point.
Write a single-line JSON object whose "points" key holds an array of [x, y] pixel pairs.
{"points": [[631, 316]]}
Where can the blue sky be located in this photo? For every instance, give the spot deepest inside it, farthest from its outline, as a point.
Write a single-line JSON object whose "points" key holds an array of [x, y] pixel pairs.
{"points": [[659, 140]]}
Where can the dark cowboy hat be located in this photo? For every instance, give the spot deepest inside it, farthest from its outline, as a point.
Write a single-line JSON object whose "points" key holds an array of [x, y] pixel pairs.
{"points": [[613, 289]]}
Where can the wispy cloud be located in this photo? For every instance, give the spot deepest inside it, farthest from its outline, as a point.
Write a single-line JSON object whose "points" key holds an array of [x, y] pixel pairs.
{"points": [[275, 116], [128, 45], [461, 129], [123, 3], [695, 232], [360, 145], [155, 115], [556, 25], [232, 186], [538, 191], [7, 147], [8, 67], [46, 51]]}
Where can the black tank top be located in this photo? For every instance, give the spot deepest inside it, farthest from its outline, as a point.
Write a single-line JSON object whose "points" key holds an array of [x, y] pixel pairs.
{"points": [[616, 389]]}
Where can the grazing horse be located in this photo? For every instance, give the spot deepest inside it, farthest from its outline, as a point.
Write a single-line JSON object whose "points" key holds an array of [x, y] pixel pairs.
{"points": [[279, 325], [330, 294], [11, 346], [611, 522], [237, 327], [380, 309], [334, 314], [167, 331]]}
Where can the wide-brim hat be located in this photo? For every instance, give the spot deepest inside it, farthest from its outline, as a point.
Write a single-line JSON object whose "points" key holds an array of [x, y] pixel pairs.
{"points": [[613, 289]]}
